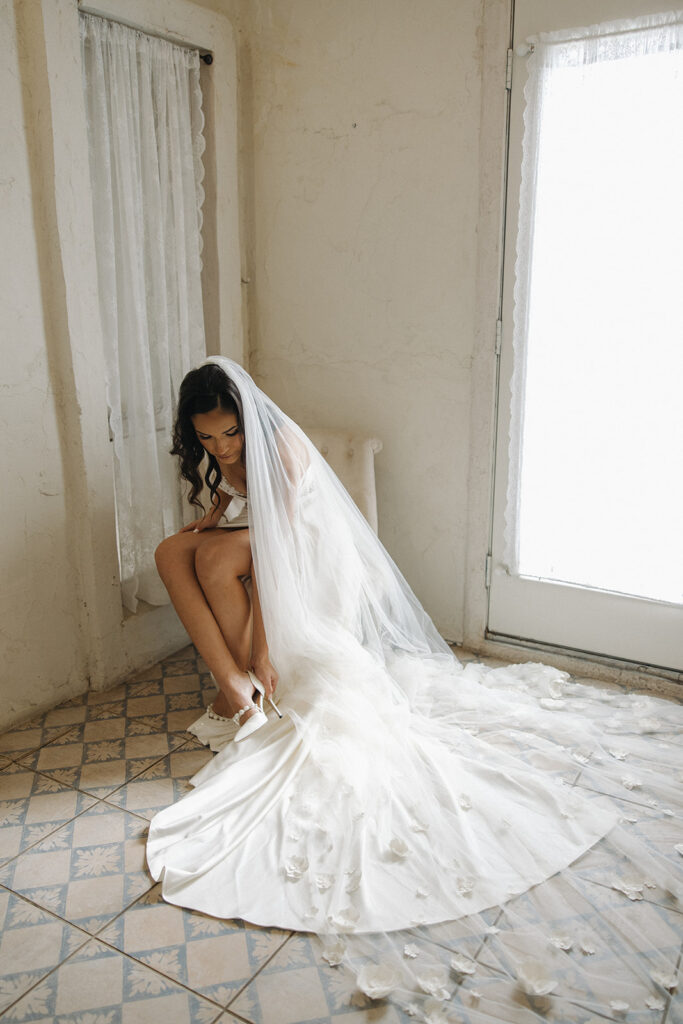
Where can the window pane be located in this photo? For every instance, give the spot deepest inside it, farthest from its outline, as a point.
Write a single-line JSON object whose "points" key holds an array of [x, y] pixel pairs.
{"points": [[601, 487]]}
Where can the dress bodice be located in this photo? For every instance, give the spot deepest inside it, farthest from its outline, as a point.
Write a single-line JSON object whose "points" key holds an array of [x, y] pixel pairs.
{"points": [[236, 514]]}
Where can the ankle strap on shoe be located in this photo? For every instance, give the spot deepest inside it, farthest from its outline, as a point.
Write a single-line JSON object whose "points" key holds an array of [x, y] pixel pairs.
{"points": [[242, 711]]}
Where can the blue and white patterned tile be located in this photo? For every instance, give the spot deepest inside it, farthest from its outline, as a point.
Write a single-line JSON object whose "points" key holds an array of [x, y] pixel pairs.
{"points": [[163, 783], [98, 985], [596, 945], [43, 728], [213, 957], [33, 805], [30, 736], [227, 1018], [88, 870], [99, 757], [164, 699], [33, 943], [673, 1011], [297, 986], [657, 872], [490, 995], [626, 788]]}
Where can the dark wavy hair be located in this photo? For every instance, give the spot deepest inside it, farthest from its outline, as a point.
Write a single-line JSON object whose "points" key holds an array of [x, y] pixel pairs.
{"points": [[202, 390]]}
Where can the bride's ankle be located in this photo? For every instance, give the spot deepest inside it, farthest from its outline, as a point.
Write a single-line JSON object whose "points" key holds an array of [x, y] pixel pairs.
{"points": [[234, 692]]}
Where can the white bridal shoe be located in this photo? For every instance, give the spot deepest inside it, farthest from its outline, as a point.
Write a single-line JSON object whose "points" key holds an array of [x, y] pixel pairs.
{"points": [[256, 720]]}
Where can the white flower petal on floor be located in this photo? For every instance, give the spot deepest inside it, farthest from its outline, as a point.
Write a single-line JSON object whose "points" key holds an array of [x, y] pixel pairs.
{"points": [[463, 964], [535, 979], [668, 981], [434, 1013], [377, 980], [333, 953], [434, 981], [631, 888]]}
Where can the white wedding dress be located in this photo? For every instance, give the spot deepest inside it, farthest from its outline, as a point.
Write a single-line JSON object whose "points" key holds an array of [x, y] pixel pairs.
{"points": [[401, 790]]}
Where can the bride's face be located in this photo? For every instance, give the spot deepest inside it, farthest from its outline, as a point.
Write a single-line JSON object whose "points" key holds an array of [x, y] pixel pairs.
{"points": [[220, 434]]}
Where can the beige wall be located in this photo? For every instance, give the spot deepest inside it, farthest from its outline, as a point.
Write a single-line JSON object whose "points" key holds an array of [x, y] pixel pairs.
{"points": [[366, 137], [39, 576]]}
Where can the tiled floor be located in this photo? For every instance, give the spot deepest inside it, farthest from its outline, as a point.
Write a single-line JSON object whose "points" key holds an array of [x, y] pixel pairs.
{"points": [[85, 936]]}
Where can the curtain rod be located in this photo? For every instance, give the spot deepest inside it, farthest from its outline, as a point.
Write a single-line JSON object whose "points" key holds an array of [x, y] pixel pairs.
{"points": [[206, 57]]}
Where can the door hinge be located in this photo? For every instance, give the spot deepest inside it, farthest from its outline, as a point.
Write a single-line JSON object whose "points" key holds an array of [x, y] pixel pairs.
{"points": [[508, 70], [488, 571], [499, 336]]}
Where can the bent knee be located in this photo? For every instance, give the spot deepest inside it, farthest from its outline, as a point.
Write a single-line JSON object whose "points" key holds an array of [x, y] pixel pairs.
{"points": [[225, 557], [170, 553]]}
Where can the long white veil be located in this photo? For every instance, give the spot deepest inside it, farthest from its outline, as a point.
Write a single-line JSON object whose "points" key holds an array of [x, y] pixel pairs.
{"points": [[403, 792], [324, 577]]}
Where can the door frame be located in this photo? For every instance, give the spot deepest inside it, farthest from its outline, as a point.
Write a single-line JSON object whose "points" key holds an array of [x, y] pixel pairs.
{"points": [[497, 34]]}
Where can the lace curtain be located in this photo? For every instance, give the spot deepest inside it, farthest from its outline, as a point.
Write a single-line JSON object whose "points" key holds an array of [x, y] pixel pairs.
{"points": [[552, 58], [145, 123]]}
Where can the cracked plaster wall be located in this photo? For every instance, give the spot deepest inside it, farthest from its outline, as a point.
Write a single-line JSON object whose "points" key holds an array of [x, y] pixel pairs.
{"points": [[39, 615], [362, 312]]}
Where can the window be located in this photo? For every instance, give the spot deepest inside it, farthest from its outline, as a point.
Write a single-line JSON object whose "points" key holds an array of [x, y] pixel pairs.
{"points": [[145, 120]]}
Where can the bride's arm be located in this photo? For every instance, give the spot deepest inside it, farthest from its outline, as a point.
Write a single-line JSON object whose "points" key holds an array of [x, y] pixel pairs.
{"points": [[211, 519], [295, 461]]}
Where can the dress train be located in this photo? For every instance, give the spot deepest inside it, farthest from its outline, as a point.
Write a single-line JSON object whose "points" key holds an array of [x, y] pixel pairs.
{"points": [[382, 821]]}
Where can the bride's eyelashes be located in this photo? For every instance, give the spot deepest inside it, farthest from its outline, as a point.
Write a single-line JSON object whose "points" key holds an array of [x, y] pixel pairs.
{"points": [[228, 433]]}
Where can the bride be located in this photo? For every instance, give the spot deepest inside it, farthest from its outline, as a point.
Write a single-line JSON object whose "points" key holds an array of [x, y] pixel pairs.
{"points": [[367, 787]]}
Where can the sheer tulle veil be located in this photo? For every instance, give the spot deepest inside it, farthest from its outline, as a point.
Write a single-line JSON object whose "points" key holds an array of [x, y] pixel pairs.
{"points": [[403, 792], [324, 577]]}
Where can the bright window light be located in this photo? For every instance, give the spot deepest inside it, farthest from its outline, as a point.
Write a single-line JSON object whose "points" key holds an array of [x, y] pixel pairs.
{"points": [[601, 482]]}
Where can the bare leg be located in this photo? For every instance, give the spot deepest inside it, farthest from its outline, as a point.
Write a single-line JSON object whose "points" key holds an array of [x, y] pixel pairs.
{"points": [[180, 559], [219, 564]]}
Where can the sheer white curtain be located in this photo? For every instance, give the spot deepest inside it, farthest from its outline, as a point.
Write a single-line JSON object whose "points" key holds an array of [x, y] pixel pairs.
{"points": [[595, 434], [145, 124]]}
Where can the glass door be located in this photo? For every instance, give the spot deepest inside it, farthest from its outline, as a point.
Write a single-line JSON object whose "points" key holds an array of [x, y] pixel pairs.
{"points": [[587, 549]]}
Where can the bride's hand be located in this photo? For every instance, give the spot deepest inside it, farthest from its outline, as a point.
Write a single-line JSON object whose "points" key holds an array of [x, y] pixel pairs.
{"points": [[207, 522], [265, 673]]}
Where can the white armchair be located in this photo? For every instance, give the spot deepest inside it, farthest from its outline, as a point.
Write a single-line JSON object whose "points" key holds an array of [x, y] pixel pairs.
{"points": [[352, 457]]}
